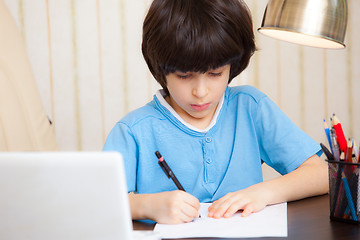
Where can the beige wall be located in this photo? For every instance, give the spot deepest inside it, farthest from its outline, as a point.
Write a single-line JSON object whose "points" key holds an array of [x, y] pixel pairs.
{"points": [[87, 62]]}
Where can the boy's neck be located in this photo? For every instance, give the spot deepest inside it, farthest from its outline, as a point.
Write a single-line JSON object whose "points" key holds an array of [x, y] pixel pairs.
{"points": [[200, 123]]}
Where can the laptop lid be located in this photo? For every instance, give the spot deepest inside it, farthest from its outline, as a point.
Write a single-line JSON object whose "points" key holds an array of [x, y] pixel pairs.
{"points": [[63, 195]]}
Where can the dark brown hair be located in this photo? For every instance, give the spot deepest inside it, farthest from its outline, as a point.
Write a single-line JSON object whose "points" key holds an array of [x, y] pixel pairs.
{"points": [[196, 36]]}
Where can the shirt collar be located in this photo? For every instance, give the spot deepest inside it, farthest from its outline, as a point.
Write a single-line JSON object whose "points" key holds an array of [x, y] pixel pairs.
{"points": [[160, 95]]}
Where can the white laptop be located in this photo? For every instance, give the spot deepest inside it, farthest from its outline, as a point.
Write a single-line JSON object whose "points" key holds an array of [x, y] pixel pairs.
{"points": [[63, 195]]}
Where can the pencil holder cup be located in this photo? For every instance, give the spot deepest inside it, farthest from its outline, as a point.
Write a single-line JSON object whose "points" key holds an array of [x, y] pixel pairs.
{"points": [[344, 189]]}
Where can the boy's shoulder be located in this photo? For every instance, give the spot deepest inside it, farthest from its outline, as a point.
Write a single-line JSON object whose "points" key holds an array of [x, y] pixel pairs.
{"points": [[245, 91], [141, 114]]}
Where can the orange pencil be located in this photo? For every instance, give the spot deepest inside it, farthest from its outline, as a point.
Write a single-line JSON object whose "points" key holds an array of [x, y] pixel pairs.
{"points": [[349, 156], [339, 133], [349, 150]]}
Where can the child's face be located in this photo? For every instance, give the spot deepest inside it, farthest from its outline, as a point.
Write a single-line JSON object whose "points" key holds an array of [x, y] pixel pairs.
{"points": [[195, 96]]}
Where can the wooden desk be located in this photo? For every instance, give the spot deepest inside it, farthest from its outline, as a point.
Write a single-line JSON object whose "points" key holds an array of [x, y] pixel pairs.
{"points": [[307, 219]]}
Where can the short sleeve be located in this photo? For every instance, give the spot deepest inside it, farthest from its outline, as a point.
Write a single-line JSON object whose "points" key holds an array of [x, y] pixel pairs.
{"points": [[283, 145], [122, 140]]}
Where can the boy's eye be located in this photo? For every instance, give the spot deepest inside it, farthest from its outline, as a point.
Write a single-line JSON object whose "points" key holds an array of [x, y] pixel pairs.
{"points": [[183, 76], [215, 74]]}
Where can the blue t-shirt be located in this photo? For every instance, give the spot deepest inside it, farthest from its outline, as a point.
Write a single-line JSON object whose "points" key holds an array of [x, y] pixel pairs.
{"points": [[250, 129]]}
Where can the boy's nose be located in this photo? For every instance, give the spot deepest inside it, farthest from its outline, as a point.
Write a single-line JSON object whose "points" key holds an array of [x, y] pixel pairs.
{"points": [[200, 89]]}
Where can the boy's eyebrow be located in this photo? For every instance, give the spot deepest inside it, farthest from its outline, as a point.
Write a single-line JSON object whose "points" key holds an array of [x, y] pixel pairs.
{"points": [[181, 72]]}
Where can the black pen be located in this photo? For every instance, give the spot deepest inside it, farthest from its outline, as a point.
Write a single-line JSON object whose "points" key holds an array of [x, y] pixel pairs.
{"points": [[168, 171], [328, 154]]}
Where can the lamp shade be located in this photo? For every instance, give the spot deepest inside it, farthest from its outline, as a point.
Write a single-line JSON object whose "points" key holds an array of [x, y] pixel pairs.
{"points": [[316, 23]]}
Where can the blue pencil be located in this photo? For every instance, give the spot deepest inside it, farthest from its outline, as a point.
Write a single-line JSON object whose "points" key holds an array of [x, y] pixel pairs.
{"points": [[349, 197], [327, 132]]}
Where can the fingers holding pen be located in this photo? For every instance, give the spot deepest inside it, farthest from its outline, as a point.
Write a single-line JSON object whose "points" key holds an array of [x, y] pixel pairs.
{"points": [[176, 207], [194, 205]]}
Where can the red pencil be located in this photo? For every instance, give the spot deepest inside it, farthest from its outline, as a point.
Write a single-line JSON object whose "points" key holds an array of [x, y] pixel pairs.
{"points": [[339, 133]]}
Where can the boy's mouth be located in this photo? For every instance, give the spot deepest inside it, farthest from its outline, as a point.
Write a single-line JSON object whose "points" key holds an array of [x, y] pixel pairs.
{"points": [[200, 107]]}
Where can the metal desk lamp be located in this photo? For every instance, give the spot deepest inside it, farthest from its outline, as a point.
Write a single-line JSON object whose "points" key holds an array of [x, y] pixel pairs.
{"points": [[316, 23]]}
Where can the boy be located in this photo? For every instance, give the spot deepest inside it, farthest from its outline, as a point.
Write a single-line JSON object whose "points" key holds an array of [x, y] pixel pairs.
{"points": [[213, 137]]}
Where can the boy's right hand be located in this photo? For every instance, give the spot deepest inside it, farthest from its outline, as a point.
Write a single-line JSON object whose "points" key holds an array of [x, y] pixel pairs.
{"points": [[166, 207]]}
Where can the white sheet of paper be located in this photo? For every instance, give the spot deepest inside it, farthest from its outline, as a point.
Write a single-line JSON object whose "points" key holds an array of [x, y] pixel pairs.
{"points": [[270, 222]]}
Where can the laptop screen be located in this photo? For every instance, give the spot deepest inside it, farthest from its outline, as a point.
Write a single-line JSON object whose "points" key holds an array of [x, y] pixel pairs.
{"points": [[63, 195]]}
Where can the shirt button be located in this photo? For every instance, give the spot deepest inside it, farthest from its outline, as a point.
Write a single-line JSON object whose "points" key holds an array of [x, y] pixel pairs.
{"points": [[208, 160], [208, 139]]}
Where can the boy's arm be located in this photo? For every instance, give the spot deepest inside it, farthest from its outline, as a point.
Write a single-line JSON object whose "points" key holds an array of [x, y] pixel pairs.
{"points": [[165, 207], [309, 179]]}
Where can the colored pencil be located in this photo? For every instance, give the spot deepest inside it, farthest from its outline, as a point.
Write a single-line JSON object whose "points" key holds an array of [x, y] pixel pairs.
{"points": [[340, 136]]}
